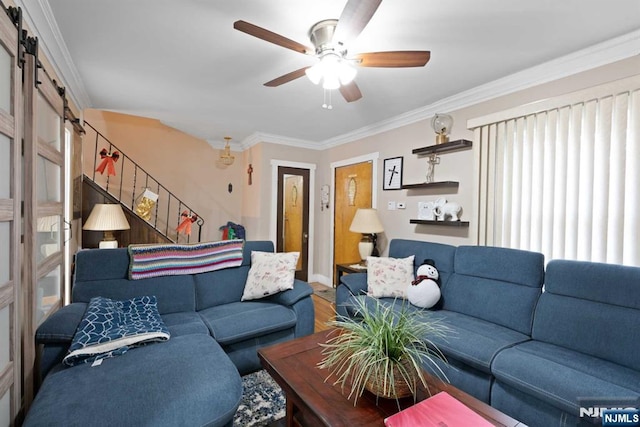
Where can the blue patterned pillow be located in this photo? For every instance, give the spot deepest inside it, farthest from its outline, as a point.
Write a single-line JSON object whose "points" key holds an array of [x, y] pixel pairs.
{"points": [[110, 328]]}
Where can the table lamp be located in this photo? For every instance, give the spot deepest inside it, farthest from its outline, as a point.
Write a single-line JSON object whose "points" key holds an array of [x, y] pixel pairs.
{"points": [[366, 221], [107, 218]]}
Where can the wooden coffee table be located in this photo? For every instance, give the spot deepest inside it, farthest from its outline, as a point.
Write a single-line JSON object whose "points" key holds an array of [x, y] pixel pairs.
{"points": [[313, 402]]}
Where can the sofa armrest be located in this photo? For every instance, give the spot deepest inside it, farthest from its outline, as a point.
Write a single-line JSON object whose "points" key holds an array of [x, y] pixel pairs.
{"points": [[290, 297], [356, 283], [61, 326]]}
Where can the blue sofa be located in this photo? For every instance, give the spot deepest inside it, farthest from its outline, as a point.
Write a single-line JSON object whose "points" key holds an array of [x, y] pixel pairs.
{"points": [[536, 345], [191, 379]]}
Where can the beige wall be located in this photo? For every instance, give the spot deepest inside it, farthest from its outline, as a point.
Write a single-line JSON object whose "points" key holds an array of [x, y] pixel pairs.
{"points": [[459, 166], [186, 165]]}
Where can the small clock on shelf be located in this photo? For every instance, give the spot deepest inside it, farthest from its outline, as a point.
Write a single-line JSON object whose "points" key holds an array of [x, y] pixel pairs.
{"points": [[392, 174]]}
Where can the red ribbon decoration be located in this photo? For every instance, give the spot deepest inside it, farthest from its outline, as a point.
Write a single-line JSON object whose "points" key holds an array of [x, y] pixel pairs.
{"points": [[108, 162], [185, 225]]}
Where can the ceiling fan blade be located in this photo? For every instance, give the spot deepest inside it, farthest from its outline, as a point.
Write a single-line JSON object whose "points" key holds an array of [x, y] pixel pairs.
{"points": [[355, 16], [286, 78], [400, 58], [271, 37], [351, 92]]}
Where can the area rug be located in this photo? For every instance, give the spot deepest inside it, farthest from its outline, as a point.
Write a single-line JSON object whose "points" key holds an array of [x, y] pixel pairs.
{"points": [[326, 293], [262, 401]]}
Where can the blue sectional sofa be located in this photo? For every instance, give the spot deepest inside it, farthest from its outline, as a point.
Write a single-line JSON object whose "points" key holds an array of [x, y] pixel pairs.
{"points": [[191, 379], [536, 345]]}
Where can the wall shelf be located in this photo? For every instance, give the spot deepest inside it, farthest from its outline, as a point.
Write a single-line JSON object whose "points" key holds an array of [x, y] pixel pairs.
{"points": [[427, 185], [443, 148], [443, 223]]}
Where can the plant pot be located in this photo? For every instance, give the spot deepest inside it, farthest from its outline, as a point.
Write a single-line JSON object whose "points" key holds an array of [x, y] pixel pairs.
{"points": [[398, 391]]}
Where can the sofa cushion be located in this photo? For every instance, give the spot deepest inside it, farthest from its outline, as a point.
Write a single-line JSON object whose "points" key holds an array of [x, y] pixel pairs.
{"points": [[239, 321], [104, 272], [389, 277], [185, 323], [269, 274], [227, 285], [498, 285], [289, 297], [61, 326], [473, 341], [559, 376], [187, 380], [442, 254], [592, 308]]}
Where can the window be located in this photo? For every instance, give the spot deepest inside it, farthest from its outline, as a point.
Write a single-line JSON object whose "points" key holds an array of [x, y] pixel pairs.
{"points": [[562, 176]]}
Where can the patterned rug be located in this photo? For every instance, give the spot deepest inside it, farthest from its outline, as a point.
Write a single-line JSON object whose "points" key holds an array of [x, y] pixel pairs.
{"points": [[262, 401], [324, 292]]}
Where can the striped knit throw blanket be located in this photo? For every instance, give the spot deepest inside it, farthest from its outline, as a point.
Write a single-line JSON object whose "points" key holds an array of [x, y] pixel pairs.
{"points": [[147, 261]]}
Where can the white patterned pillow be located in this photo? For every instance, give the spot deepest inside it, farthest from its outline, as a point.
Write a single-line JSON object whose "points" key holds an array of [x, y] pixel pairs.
{"points": [[389, 277], [269, 274]]}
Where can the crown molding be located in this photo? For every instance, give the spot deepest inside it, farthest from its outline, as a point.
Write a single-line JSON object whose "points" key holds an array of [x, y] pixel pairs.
{"points": [[604, 53], [258, 137], [40, 21]]}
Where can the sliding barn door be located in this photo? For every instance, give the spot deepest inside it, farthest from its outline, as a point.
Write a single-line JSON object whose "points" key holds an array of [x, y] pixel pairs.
{"points": [[10, 116], [43, 205]]}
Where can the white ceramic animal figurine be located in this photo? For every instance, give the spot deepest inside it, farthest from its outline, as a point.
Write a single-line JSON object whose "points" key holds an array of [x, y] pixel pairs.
{"points": [[424, 291], [449, 209]]}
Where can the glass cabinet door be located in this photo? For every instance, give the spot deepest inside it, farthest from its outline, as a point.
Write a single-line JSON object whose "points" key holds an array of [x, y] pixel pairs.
{"points": [[10, 186]]}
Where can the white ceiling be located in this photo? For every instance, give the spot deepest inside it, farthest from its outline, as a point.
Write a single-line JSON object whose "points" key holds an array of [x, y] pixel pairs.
{"points": [[183, 63]]}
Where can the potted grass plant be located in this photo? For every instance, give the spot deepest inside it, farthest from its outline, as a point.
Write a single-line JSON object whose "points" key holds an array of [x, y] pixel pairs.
{"points": [[383, 350]]}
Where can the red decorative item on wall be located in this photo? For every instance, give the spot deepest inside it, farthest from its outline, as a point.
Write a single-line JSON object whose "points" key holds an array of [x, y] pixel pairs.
{"points": [[185, 225], [108, 162]]}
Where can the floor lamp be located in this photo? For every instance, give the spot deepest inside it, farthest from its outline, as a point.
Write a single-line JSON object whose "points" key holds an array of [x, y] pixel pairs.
{"points": [[366, 221]]}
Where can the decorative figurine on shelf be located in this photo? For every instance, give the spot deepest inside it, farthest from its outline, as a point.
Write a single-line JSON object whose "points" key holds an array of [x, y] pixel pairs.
{"points": [[185, 225], [108, 162], [444, 209], [432, 162], [442, 124], [424, 292], [146, 203]]}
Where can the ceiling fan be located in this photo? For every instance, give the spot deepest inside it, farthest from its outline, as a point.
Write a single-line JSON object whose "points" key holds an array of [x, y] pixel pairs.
{"points": [[331, 38]]}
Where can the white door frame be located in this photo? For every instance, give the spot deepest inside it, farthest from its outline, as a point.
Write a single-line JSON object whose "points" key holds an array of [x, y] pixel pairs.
{"points": [[373, 158], [273, 228]]}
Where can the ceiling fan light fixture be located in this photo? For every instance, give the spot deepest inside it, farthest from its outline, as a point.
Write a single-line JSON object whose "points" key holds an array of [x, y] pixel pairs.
{"points": [[315, 73], [332, 71], [330, 82], [347, 73]]}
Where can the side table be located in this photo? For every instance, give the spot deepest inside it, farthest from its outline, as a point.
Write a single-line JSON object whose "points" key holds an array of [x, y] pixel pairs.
{"points": [[353, 267]]}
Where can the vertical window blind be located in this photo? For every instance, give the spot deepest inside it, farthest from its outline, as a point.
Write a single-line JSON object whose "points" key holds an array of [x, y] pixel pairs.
{"points": [[562, 176]]}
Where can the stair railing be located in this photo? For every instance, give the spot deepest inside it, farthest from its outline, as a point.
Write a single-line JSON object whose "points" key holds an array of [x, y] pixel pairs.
{"points": [[129, 184]]}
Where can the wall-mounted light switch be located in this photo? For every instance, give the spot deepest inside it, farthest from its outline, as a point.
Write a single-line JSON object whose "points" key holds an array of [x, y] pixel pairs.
{"points": [[391, 206]]}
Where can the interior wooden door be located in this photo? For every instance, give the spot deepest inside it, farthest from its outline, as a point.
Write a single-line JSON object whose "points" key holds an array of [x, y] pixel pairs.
{"points": [[293, 216], [10, 188], [353, 190], [44, 165]]}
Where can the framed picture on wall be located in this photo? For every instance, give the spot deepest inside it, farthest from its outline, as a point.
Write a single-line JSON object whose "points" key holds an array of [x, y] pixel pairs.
{"points": [[392, 175]]}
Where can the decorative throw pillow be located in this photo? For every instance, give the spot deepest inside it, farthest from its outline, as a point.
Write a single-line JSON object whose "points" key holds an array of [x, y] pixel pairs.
{"points": [[269, 274], [388, 277]]}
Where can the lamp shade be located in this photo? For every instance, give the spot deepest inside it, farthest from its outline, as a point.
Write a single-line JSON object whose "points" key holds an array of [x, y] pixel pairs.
{"points": [[366, 221], [106, 217]]}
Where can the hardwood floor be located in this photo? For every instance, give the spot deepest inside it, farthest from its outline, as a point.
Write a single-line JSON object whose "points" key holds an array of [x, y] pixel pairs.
{"points": [[325, 310]]}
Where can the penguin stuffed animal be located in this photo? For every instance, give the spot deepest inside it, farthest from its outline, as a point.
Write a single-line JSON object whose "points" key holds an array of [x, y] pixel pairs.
{"points": [[424, 292]]}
